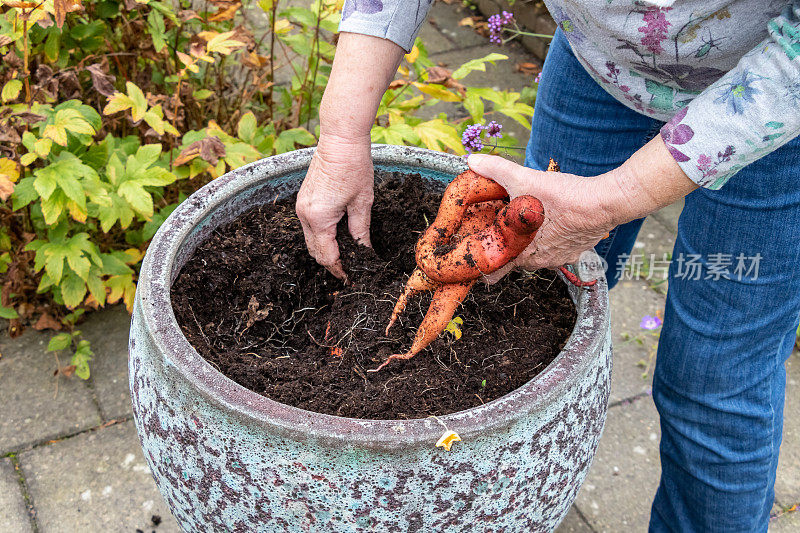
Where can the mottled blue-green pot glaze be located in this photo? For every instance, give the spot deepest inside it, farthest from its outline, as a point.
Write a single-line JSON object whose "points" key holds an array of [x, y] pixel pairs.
{"points": [[227, 459]]}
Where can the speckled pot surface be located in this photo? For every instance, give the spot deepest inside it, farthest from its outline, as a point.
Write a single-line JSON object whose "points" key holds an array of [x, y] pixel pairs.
{"points": [[227, 459]]}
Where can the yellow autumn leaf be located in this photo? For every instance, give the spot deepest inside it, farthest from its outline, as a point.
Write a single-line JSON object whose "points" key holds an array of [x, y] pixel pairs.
{"points": [[118, 102], [447, 440], [439, 92], [283, 26], [454, 327], [11, 91], [412, 56], [222, 43], [42, 147], [57, 133], [436, 131], [9, 174]]}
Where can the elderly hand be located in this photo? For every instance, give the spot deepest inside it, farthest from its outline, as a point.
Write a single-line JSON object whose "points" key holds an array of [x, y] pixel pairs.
{"points": [[579, 211], [339, 180], [574, 219]]}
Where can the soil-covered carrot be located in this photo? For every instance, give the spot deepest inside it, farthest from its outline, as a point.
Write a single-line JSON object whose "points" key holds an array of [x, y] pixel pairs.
{"points": [[485, 251], [444, 303]]}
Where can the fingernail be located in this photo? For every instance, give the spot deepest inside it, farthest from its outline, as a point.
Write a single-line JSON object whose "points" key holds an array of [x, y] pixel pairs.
{"points": [[476, 159]]}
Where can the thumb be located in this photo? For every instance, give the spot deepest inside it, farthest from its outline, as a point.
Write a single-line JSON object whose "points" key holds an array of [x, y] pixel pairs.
{"points": [[514, 178]]}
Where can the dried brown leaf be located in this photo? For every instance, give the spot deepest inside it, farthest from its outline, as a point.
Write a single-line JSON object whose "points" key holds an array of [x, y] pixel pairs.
{"points": [[225, 13], [187, 14], [528, 68], [209, 149], [62, 7], [102, 81], [46, 321]]}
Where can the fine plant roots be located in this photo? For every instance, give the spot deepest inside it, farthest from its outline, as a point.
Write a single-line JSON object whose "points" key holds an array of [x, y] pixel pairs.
{"points": [[260, 310]]}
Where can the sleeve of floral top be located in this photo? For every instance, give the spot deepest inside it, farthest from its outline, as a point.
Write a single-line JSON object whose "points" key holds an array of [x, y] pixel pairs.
{"points": [[396, 20], [749, 112]]}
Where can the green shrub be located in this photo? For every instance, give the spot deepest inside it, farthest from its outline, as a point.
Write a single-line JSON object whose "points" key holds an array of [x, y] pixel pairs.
{"points": [[111, 113]]}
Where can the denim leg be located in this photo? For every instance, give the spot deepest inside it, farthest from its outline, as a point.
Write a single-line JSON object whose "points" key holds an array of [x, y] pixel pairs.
{"points": [[719, 381], [588, 132]]}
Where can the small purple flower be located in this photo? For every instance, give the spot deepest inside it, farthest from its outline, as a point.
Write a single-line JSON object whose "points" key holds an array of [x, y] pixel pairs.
{"points": [[496, 25], [650, 322], [538, 78], [493, 129], [471, 138]]}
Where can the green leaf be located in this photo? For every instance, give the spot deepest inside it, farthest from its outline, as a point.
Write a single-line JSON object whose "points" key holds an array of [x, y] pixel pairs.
{"points": [[474, 106], [8, 313], [155, 20], [24, 193], [138, 101], [11, 91], [83, 354], [287, 139], [51, 45], [202, 94], [73, 289], [96, 287], [246, 129], [59, 342], [138, 198], [477, 64]]}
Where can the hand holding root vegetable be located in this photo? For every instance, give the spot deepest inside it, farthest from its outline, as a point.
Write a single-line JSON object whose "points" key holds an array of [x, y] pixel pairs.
{"points": [[475, 233]]}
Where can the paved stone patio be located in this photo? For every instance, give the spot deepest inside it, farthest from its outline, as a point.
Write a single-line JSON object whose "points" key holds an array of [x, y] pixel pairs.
{"points": [[70, 459]]}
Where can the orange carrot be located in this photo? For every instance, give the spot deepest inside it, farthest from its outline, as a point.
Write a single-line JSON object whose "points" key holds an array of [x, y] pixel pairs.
{"points": [[485, 251], [446, 300]]}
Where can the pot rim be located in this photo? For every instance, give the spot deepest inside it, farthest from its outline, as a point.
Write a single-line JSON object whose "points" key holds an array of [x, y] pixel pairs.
{"points": [[153, 300]]}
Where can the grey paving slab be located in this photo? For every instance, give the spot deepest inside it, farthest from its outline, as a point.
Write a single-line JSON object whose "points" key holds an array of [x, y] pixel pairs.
{"points": [[96, 481], [13, 513], [787, 483], [107, 330], [785, 522], [624, 476], [38, 406], [651, 254], [446, 17], [434, 40], [634, 347], [669, 215], [573, 523]]}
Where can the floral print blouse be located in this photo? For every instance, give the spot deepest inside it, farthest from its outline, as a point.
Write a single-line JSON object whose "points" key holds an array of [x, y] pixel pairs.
{"points": [[723, 74]]}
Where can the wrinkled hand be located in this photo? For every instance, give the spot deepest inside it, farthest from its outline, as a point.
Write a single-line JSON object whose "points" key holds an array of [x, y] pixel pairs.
{"points": [[575, 219], [339, 180]]}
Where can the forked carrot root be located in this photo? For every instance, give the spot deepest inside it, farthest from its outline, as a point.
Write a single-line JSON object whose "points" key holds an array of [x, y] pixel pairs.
{"points": [[476, 232]]}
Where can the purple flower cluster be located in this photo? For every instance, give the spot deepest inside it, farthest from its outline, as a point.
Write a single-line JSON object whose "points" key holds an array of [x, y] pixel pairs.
{"points": [[496, 25], [471, 138], [493, 129]]}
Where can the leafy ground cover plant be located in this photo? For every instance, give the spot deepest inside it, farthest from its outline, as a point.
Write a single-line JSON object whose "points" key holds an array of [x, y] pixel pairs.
{"points": [[112, 112]]}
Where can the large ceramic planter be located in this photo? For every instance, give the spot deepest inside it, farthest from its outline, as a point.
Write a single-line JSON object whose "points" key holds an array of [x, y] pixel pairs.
{"points": [[227, 459]]}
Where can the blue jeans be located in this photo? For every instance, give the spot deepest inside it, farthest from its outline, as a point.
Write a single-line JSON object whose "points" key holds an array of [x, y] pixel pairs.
{"points": [[719, 380]]}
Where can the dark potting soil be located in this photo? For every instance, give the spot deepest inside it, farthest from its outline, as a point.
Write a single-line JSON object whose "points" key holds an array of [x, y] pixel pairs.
{"points": [[259, 309]]}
